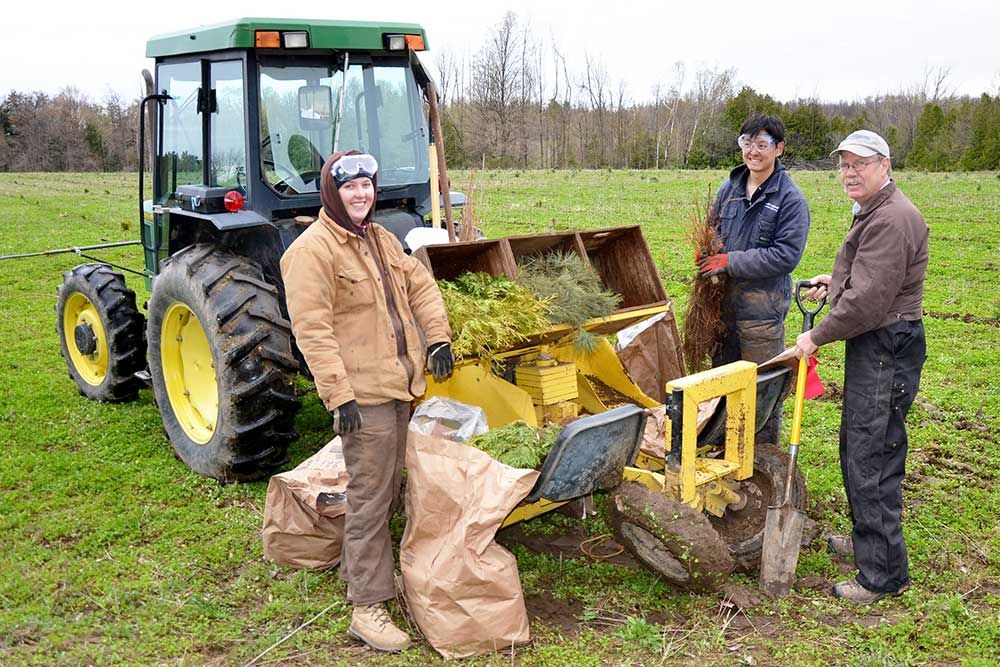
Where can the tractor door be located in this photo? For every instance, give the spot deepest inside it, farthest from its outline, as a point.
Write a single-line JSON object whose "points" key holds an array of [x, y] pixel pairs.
{"points": [[205, 116]]}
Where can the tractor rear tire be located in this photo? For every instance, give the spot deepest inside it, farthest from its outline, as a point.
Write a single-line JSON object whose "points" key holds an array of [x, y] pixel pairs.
{"points": [[221, 364], [669, 537], [100, 333], [743, 529]]}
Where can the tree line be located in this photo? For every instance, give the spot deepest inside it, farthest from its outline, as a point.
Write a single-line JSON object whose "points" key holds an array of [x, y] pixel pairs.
{"points": [[520, 102]]}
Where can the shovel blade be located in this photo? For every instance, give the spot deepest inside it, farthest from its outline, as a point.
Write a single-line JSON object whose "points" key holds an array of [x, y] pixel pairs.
{"points": [[782, 539]]}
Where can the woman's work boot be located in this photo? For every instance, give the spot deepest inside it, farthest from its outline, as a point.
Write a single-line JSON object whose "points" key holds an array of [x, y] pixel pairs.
{"points": [[371, 624]]}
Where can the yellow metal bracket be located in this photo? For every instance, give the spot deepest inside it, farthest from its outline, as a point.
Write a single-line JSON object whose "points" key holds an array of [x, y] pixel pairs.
{"points": [[738, 383]]}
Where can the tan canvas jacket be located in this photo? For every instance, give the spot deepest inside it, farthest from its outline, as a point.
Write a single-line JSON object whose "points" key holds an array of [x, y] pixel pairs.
{"points": [[340, 319]]}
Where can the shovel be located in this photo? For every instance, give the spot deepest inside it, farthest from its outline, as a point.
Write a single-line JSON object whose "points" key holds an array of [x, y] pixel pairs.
{"points": [[784, 523]]}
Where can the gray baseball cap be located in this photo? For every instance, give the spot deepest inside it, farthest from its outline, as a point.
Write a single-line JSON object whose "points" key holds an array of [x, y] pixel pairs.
{"points": [[863, 143]]}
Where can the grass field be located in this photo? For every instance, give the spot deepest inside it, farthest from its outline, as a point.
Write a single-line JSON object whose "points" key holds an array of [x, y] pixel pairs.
{"points": [[115, 553]]}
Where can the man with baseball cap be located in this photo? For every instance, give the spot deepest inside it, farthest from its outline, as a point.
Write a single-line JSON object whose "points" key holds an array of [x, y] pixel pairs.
{"points": [[876, 294]]}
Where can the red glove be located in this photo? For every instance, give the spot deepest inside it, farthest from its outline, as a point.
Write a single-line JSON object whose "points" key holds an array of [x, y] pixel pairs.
{"points": [[714, 265]]}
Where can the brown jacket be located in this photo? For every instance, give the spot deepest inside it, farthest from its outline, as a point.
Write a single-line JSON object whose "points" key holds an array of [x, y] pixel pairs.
{"points": [[878, 276], [340, 319]]}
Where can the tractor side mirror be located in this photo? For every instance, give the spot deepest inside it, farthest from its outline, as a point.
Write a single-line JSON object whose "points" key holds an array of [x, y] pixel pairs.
{"points": [[315, 107]]}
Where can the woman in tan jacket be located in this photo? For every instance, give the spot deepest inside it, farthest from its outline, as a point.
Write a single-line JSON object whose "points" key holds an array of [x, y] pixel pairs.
{"points": [[367, 318]]}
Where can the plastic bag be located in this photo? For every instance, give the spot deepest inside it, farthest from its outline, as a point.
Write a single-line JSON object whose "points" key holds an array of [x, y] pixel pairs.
{"points": [[447, 418]]}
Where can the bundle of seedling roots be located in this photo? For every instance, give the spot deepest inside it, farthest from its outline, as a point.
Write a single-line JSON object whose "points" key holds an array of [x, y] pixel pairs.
{"points": [[703, 327], [489, 314]]}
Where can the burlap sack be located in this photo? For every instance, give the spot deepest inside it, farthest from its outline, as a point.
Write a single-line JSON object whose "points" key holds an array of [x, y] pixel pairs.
{"points": [[304, 511], [462, 588]]}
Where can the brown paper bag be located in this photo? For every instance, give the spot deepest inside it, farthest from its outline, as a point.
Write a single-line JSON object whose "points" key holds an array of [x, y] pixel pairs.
{"points": [[304, 511], [462, 588], [654, 438], [652, 357]]}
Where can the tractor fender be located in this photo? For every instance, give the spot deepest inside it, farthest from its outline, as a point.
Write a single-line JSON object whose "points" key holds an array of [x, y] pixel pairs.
{"points": [[222, 221]]}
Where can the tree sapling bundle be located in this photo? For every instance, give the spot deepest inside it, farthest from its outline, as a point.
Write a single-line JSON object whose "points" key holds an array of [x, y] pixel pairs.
{"points": [[518, 444], [489, 313], [571, 289], [703, 327]]}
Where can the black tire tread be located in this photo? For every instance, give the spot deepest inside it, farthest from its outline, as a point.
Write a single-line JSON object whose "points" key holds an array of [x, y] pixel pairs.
{"points": [[124, 328], [251, 342]]}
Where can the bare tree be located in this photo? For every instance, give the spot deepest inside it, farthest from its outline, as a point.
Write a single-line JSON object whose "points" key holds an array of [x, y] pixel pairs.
{"points": [[495, 90], [594, 85]]}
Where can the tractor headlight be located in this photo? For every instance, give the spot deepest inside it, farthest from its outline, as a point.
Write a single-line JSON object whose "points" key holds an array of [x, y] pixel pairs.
{"points": [[295, 40]]}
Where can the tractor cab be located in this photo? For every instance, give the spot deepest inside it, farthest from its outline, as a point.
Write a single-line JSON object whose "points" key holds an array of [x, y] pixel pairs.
{"points": [[245, 113]]}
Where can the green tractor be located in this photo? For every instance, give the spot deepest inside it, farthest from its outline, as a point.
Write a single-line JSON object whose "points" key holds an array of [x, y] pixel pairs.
{"points": [[242, 116]]}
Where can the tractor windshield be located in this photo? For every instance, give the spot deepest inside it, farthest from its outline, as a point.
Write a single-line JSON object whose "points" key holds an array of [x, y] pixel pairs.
{"points": [[382, 115]]}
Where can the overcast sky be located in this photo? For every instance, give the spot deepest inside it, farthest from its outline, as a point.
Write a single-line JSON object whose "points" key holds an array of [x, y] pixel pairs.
{"points": [[786, 48]]}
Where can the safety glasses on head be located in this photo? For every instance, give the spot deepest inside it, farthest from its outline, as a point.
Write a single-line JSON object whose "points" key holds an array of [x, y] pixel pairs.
{"points": [[761, 142], [352, 166]]}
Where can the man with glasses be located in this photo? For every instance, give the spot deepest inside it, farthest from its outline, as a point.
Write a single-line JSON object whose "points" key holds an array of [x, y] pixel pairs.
{"points": [[762, 219], [876, 294]]}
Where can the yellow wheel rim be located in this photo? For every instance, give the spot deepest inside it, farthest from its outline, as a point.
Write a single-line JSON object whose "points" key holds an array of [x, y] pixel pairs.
{"points": [[189, 373], [80, 311]]}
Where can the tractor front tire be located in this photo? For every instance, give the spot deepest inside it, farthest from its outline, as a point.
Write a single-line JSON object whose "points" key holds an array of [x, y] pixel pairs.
{"points": [[100, 333], [743, 529], [672, 539], [221, 364]]}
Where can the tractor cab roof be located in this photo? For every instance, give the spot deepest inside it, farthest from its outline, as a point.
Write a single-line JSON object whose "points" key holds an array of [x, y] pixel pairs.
{"points": [[242, 34]]}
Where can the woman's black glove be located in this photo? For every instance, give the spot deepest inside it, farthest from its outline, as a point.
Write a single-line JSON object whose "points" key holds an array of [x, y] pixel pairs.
{"points": [[346, 418], [440, 360]]}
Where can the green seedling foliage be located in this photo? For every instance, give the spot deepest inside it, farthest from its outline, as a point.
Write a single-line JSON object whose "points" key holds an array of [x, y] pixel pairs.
{"points": [[571, 288], [489, 314], [518, 444]]}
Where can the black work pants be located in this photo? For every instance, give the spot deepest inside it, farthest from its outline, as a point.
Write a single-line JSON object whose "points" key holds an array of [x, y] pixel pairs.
{"points": [[881, 378], [756, 341]]}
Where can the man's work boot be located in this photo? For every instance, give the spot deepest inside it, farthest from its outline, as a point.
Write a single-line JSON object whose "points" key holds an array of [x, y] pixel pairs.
{"points": [[854, 592], [842, 545], [372, 625]]}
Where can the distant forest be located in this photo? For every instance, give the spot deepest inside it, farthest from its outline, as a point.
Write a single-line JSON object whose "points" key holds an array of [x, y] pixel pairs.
{"points": [[519, 103]]}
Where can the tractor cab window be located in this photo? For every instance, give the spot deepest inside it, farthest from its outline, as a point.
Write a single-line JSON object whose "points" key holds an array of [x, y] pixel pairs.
{"points": [[228, 164], [180, 157], [382, 115]]}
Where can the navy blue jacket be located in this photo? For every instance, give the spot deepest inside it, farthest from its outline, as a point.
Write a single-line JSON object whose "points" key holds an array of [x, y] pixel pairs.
{"points": [[764, 238]]}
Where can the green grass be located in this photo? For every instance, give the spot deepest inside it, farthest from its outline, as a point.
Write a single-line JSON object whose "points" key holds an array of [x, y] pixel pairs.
{"points": [[116, 553]]}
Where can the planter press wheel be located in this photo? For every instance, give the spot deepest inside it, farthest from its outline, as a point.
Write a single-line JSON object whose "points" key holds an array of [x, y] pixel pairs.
{"points": [[742, 529], [668, 537]]}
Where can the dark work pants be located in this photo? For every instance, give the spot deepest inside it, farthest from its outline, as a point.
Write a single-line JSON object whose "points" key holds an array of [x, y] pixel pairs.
{"points": [[881, 378], [374, 458], [756, 341]]}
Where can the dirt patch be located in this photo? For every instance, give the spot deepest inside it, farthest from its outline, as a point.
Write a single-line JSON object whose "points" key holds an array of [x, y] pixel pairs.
{"points": [[975, 426], [968, 318], [612, 398], [813, 582], [567, 544], [551, 611], [834, 392]]}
